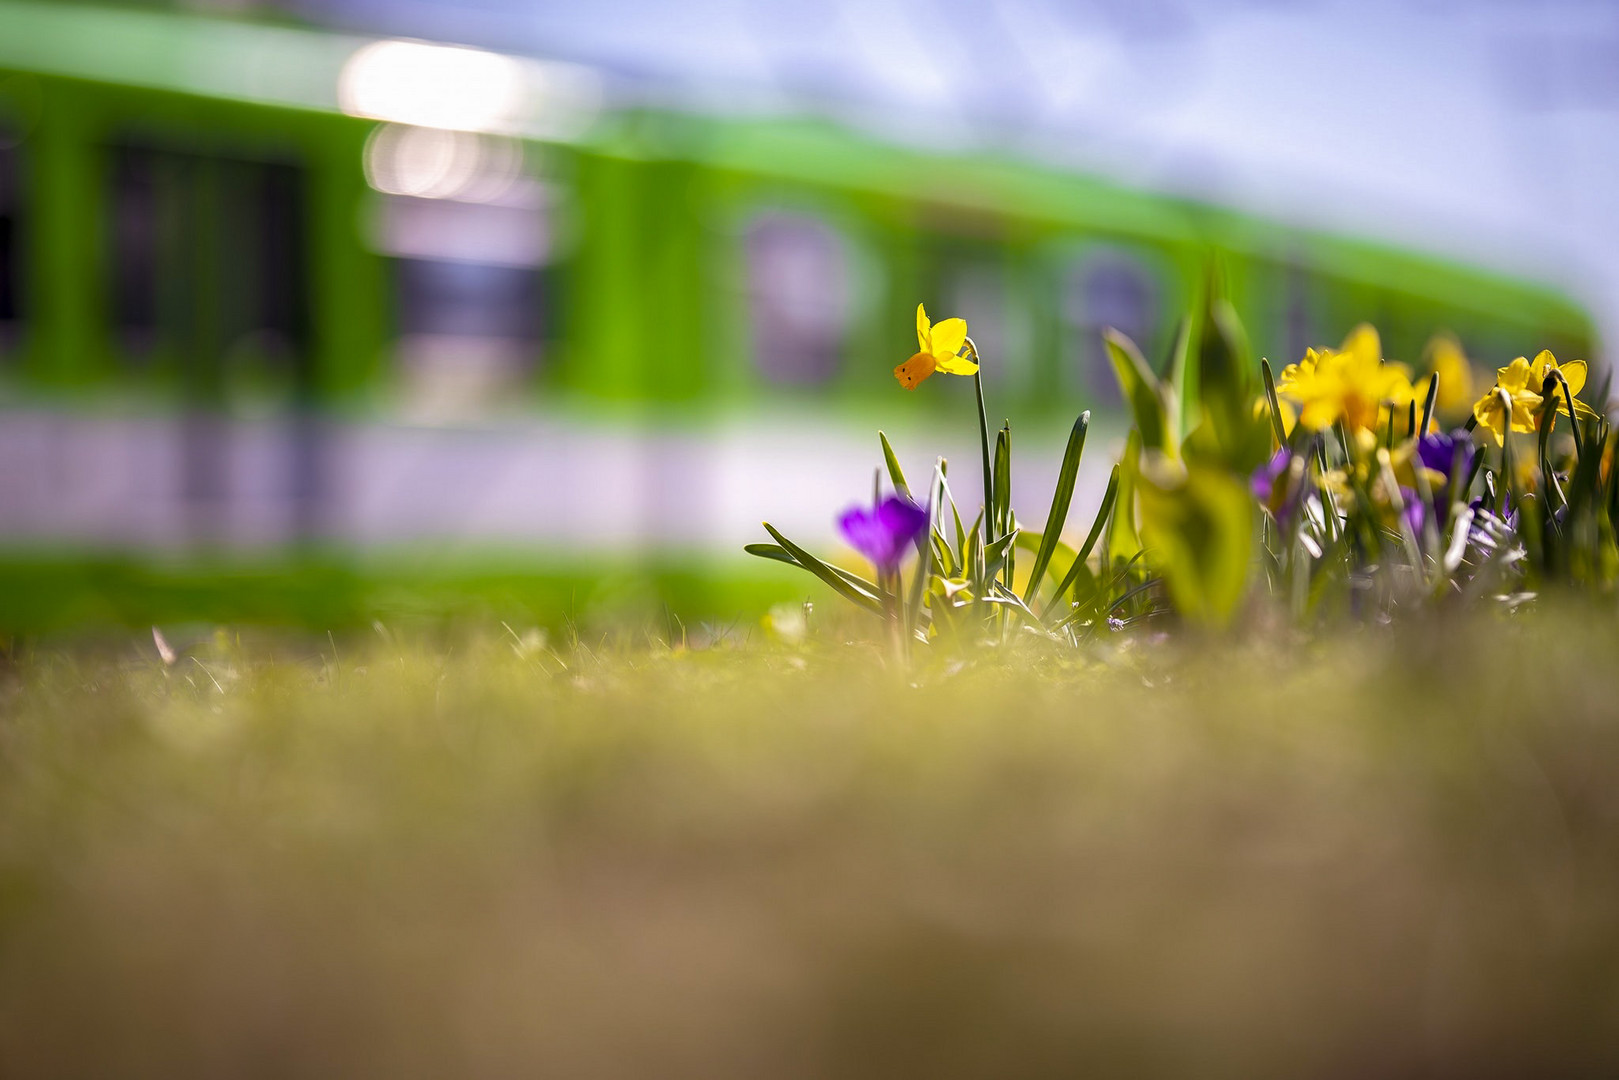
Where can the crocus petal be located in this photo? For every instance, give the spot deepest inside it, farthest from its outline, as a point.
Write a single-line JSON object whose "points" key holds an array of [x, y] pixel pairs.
{"points": [[865, 534], [913, 371], [1438, 451], [1416, 511], [923, 331], [883, 534], [947, 338], [902, 520], [956, 365], [1263, 480]]}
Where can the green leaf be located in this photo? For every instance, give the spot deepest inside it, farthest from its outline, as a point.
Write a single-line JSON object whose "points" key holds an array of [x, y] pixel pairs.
{"points": [[1060, 499], [1181, 393], [864, 594], [1000, 516], [1103, 514], [1275, 406], [777, 553], [895, 474], [1145, 395], [995, 553], [1197, 530], [1123, 539]]}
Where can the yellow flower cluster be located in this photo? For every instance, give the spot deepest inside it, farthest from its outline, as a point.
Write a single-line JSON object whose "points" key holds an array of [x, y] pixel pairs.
{"points": [[1351, 383], [1520, 393]]}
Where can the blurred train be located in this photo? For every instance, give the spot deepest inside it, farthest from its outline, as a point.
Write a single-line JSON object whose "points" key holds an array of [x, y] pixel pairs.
{"points": [[291, 321]]}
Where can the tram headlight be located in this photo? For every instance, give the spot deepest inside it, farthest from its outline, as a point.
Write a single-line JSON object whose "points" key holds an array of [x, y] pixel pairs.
{"points": [[435, 86]]}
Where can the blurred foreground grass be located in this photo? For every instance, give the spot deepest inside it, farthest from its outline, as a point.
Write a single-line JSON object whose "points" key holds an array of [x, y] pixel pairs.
{"points": [[1389, 853]]}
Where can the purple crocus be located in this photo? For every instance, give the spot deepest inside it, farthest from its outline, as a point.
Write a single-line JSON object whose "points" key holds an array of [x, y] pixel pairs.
{"points": [[1438, 451], [1277, 487], [1450, 454], [882, 533], [1416, 511]]}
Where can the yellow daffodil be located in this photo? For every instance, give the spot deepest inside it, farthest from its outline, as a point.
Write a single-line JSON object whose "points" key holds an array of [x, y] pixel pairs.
{"points": [[937, 349], [1516, 384], [1457, 383], [1351, 383], [1523, 381], [1573, 373]]}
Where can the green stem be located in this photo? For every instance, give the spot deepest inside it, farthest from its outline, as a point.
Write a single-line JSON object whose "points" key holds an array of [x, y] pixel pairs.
{"points": [[1573, 418], [983, 438]]}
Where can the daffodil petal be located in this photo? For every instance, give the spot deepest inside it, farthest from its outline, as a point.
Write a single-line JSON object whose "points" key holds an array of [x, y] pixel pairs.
{"points": [[1364, 344], [911, 373], [1574, 372], [956, 365], [1515, 376], [947, 338], [1542, 366], [922, 330], [1487, 411]]}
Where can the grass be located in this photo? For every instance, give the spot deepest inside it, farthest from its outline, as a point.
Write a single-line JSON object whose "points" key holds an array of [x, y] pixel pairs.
{"points": [[1391, 852]]}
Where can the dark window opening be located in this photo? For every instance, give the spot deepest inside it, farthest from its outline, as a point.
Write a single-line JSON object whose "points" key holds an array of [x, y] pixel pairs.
{"points": [[1109, 289], [209, 269], [11, 302], [799, 304], [474, 295], [975, 286], [465, 299]]}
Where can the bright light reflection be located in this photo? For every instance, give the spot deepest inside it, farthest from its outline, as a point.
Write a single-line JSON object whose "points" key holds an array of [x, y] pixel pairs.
{"points": [[436, 86], [433, 163]]}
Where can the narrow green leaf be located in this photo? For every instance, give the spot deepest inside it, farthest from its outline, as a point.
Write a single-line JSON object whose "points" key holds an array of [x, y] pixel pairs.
{"points": [[1000, 518], [1060, 499], [868, 598], [1181, 385], [1429, 403], [777, 553], [1103, 512], [1142, 391], [995, 553], [1275, 406], [896, 475]]}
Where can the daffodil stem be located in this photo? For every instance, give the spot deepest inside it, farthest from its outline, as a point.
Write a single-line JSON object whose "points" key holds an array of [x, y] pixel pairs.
{"points": [[1573, 419], [983, 444]]}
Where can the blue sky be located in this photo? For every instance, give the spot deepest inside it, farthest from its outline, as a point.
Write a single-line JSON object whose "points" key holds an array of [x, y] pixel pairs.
{"points": [[1487, 130]]}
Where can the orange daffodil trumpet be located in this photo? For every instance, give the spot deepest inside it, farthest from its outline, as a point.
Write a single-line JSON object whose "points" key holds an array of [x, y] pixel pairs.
{"points": [[1351, 383], [937, 346], [1520, 394]]}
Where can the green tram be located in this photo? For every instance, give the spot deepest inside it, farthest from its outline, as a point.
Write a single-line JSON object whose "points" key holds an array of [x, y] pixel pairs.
{"points": [[297, 325]]}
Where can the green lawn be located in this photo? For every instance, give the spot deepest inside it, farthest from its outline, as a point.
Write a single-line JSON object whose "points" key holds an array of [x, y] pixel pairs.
{"points": [[1392, 852]]}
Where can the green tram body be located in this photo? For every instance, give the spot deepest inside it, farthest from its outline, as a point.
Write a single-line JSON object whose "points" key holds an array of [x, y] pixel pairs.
{"points": [[646, 317]]}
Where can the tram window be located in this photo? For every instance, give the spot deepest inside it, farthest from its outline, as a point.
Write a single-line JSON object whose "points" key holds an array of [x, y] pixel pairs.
{"points": [[10, 253], [978, 291], [1301, 319], [1107, 289], [473, 294], [799, 304], [208, 267]]}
